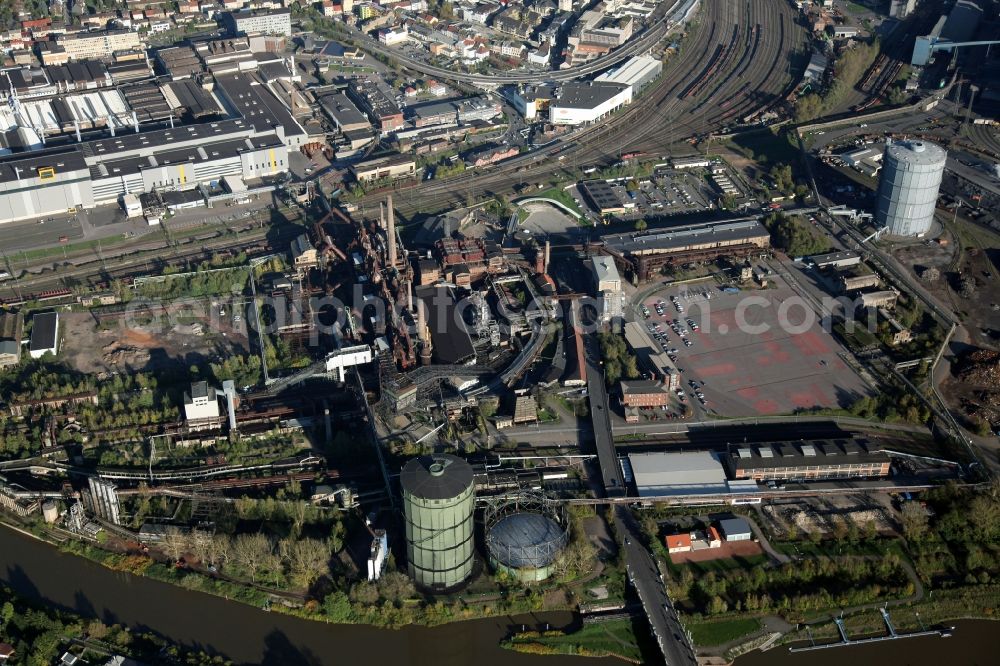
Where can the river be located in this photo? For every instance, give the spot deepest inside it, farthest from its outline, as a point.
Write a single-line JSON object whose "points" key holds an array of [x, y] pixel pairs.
{"points": [[974, 643], [247, 635]]}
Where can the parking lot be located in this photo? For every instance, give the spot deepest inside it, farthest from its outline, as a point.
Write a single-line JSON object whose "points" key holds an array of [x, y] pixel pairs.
{"points": [[735, 357]]}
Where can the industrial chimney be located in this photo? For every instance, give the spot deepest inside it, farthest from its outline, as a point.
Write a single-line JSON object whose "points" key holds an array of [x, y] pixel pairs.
{"points": [[548, 248], [423, 333], [391, 231]]}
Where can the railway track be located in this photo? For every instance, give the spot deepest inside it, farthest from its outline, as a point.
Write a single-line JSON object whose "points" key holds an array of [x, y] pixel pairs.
{"points": [[750, 77]]}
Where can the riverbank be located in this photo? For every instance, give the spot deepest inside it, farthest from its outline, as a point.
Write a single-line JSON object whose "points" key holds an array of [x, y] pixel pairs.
{"points": [[612, 638], [336, 608], [718, 637], [248, 635]]}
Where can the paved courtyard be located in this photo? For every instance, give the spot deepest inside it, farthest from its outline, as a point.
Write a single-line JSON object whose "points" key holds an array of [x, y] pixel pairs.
{"points": [[749, 363]]}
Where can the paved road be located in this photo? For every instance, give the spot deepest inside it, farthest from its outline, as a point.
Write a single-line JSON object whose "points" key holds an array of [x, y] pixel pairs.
{"points": [[658, 28], [611, 472], [645, 576], [639, 563]]}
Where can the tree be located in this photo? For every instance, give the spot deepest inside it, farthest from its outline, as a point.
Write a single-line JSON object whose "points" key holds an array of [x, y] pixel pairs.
{"points": [[309, 560], [249, 551], [364, 593], [967, 286], [175, 543], [640, 225], [336, 540], [914, 519], [337, 607], [396, 587], [219, 548], [808, 108]]}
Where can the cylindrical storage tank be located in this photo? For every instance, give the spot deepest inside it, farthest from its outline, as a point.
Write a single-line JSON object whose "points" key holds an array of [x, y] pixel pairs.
{"points": [[525, 535], [438, 503], [908, 188], [50, 511]]}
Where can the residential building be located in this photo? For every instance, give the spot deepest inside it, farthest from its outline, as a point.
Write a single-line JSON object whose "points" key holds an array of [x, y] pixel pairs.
{"points": [[273, 22], [644, 393], [678, 543], [99, 44], [487, 155]]}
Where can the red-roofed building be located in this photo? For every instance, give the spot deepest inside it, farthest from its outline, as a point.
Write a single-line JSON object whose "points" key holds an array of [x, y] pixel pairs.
{"points": [[6, 651], [678, 543]]}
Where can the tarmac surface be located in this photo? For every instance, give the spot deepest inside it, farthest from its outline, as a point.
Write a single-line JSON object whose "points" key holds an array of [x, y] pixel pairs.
{"points": [[759, 353]]}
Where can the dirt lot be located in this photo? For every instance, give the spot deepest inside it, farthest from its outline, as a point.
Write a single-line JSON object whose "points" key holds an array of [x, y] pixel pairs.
{"points": [[760, 368], [819, 515], [727, 550], [546, 219], [979, 259], [114, 346]]}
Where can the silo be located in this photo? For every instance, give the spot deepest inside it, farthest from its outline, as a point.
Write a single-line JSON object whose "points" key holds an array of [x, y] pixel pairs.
{"points": [[50, 511], [908, 189], [438, 503]]}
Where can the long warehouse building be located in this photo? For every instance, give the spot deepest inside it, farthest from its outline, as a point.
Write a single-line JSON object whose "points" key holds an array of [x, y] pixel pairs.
{"points": [[93, 173], [645, 253], [252, 145]]}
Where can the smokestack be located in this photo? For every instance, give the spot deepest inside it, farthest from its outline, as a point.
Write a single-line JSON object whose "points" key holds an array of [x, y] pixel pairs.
{"points": [[381, 215], [548, 248], [423, 334], [391, 231], [409, 296], [539, 261]]}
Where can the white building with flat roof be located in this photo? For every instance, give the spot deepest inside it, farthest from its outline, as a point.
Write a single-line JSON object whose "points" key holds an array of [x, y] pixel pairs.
{"points": [[606, 275], [681, 473], [637, 73]]}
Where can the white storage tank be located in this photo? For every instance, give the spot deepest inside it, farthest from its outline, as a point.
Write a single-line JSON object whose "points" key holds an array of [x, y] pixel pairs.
{"points": [[50, 511], [908, 188]]}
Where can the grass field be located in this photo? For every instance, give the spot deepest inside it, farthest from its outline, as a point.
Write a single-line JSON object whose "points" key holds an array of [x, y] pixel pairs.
{"points": [[721, 564], [613, 638], [560, 195], [767, 148], [708, 634]]}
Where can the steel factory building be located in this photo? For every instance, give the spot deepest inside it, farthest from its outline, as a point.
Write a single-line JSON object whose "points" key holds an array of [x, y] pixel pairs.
{"points": [[85, 175], [809, 461], [647, 253], [87, 134]]}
